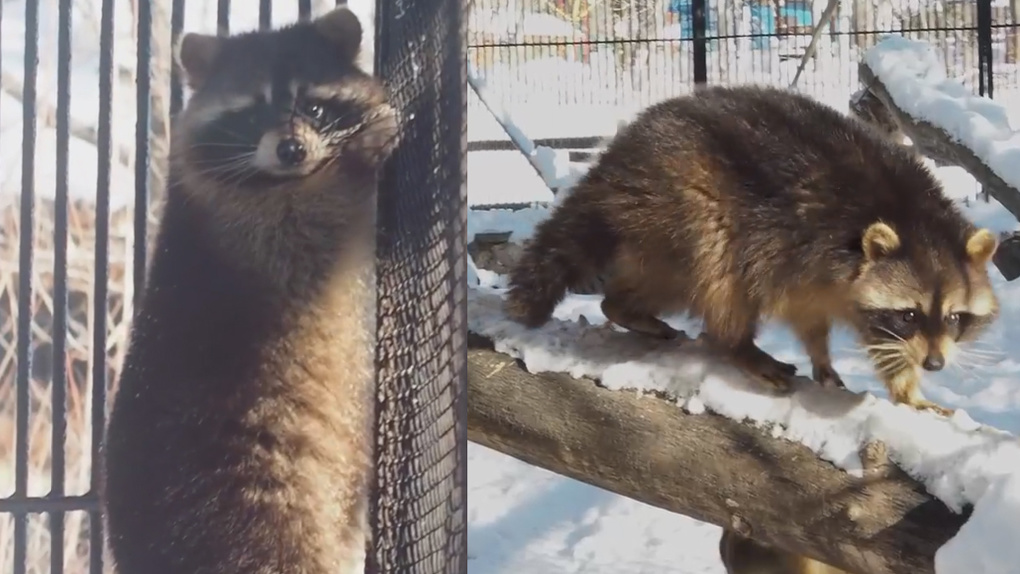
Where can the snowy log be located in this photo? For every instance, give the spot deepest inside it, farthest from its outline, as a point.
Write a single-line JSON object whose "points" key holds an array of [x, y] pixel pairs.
{"points": [[705, 466], [934, 142]]}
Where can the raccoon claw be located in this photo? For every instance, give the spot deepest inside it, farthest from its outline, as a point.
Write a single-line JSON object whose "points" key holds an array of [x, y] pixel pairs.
{"points": [[827, 377]]}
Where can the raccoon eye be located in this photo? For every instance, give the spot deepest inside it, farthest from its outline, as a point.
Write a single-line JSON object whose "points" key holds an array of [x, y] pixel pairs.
{"points": [[315, 111], [908, 316], [953, 319]]}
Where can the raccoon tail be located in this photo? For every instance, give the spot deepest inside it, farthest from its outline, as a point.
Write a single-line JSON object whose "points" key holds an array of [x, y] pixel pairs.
{"points": [[568, 251]]}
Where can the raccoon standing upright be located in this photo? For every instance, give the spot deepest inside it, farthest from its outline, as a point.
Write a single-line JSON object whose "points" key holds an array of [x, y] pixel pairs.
{"points": [[240, 439], [740, 204]]}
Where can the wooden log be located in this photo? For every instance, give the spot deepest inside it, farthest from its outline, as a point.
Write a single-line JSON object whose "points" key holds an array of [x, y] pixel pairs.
{"points": [[705, 466]]}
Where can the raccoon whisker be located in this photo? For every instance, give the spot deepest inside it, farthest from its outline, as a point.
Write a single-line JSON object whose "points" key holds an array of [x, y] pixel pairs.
{"points": [[976, 360], [891, 334], [235, 177], [887, 347], [222, 145], [332, 125], [884, 346], [965, 374], [888, 363], [981, 352], [231, 172], [224, 169], [887, 359]]}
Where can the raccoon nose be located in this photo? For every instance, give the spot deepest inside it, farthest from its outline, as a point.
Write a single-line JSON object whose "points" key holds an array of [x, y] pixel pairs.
{"points": [[933, 363], [290, 151]]}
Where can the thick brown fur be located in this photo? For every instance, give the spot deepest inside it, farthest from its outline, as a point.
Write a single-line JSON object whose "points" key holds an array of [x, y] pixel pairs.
{"points": [[743, 555], [742, 204], [240, 439]]}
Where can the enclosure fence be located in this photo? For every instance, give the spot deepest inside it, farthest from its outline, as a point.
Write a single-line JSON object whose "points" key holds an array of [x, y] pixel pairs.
{"points": [[618, 52], [77, 208]]}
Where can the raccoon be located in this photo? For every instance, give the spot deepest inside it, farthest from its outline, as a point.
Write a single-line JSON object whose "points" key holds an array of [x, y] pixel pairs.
{"points": [[742, 204], [741, 555], [240, 438]]}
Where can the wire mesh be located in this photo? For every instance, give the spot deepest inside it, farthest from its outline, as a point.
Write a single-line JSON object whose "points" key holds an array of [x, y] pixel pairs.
{"points": [[418, 513], [66, 296]]}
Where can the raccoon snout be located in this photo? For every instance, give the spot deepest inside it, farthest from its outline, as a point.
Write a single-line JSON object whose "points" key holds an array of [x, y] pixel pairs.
{"points": [[933, 362], [291, 152]]}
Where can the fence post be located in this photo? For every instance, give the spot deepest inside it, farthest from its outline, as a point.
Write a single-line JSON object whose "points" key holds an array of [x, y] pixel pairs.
{"points": [[699, 27], [417, 508], [985, 66]]}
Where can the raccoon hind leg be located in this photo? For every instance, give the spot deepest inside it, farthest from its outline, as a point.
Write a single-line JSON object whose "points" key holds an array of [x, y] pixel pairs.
{"points": [[625, 308]]}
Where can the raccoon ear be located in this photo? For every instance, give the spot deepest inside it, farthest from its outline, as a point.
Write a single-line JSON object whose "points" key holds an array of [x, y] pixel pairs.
{"points": [[195, 55], [342, 27], [879, 240], [981, 246]]}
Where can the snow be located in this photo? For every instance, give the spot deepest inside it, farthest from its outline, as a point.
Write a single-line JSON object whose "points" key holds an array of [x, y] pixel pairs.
{"points": [[527, 519], [916, 79]]}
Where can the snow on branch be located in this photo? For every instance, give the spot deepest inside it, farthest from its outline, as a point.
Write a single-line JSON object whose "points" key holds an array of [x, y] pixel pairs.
{"points": [[757, 460], [942, 118]]}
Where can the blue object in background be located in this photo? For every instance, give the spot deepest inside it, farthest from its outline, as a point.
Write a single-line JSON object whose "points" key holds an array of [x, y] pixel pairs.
{"points": [[763, 19], [686, 13]]}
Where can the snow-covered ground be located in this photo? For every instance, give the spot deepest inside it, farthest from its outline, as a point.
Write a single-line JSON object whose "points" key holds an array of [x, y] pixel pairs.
{"points": [[524, 519]]}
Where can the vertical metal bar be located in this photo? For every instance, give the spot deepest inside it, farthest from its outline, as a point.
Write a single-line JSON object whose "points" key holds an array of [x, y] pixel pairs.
{"points": [[984, 33], [143, 126], [223, 17], [58, 385], [103, 145], [699, 30], [24, 354], [176, 90], [304, 9], [265, 14]]}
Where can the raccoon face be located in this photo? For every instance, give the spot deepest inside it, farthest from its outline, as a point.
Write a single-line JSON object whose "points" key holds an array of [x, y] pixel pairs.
{"points": [[278, 105], [913, 308]]}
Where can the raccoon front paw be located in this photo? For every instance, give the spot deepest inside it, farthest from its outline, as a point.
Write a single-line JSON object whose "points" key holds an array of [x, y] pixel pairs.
{"points": [[926, 405], [826, 376]]}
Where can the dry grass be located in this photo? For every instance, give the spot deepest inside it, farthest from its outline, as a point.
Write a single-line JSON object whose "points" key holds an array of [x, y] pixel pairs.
{"points": [[78, 361]]}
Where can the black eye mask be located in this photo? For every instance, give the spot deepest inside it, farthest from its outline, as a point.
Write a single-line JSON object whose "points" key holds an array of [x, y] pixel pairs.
{"points": [[330, 116], [902, 323]]}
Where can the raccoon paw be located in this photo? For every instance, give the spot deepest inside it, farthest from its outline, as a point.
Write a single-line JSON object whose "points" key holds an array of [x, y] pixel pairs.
{"points": [[826, 376], [926, 405]]}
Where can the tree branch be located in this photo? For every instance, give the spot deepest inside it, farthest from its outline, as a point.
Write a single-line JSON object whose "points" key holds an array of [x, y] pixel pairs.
{"points": [[705, 466], [934, 142], [816, 34]]}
